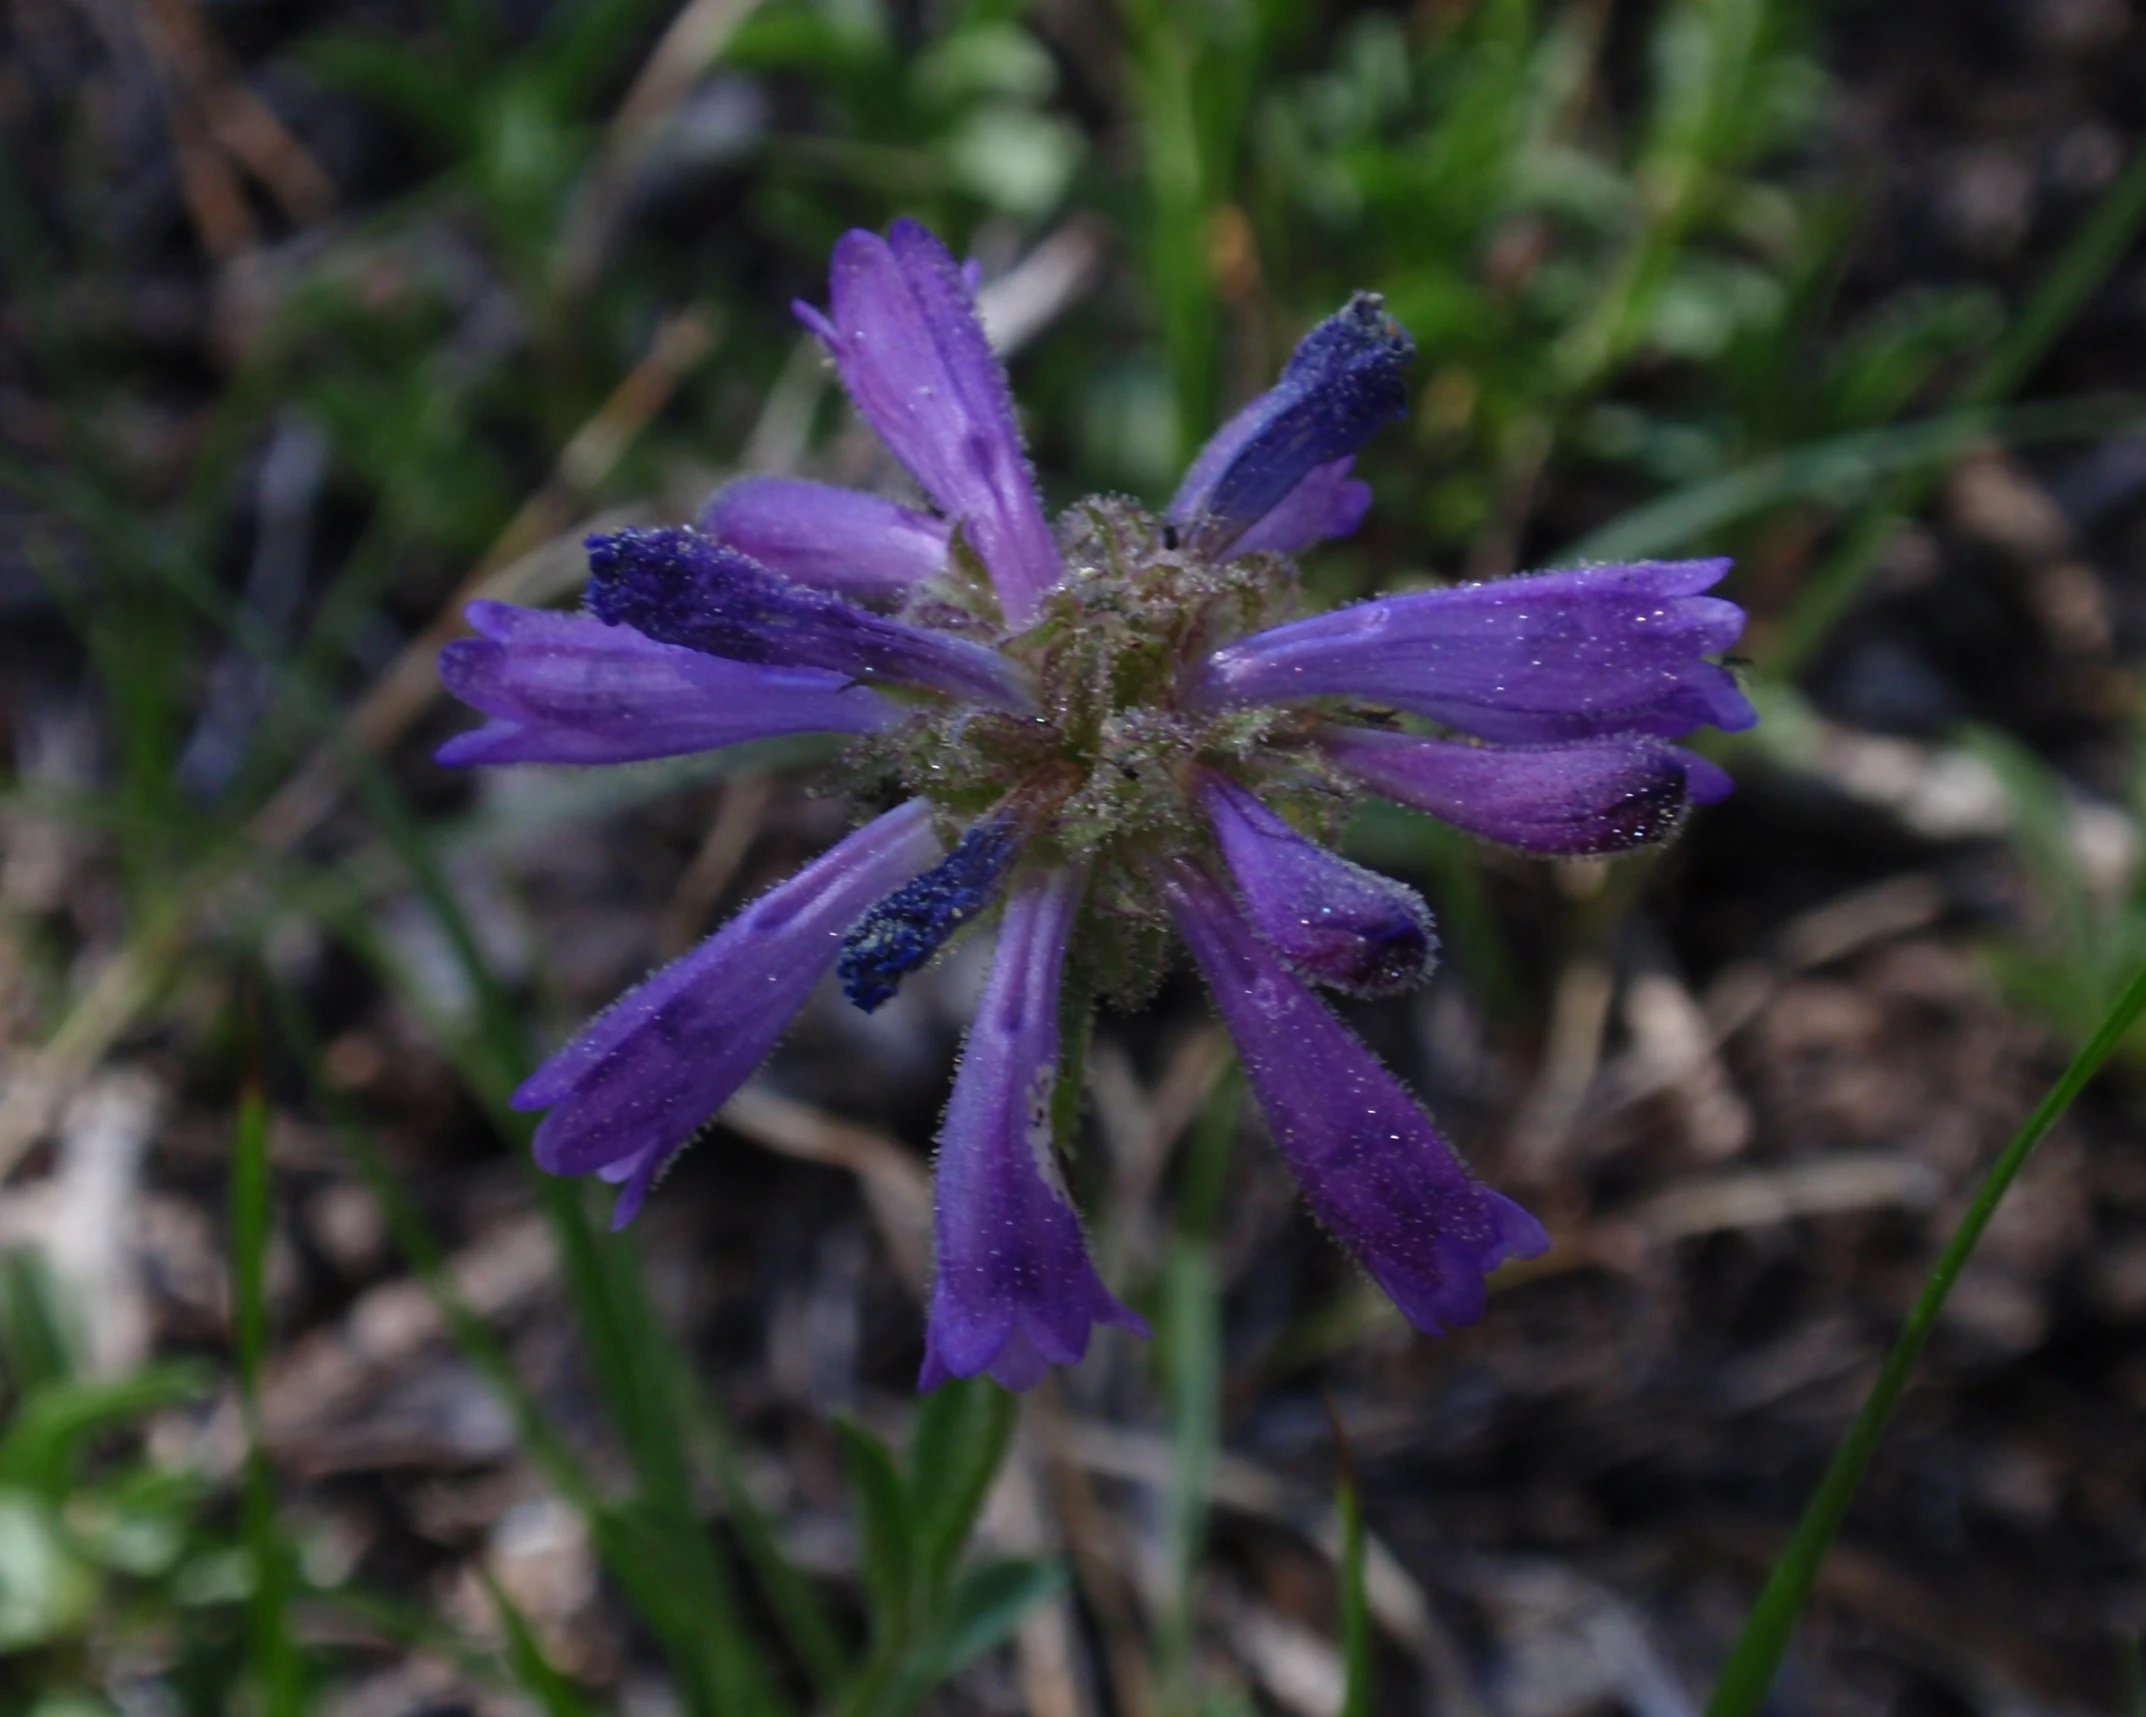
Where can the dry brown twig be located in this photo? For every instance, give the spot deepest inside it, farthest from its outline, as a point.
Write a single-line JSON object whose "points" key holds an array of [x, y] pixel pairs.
{"points": [[730, 837], [896, 1185], [1398, 1601], [684, 52], [216, 119]]}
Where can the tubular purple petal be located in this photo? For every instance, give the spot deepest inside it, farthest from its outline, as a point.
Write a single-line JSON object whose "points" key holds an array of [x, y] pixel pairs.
{"points": [[859, 545], [1708, 781], [631, 1091], [1329, 503], [1369, 1161], [1015, 1293], [1346, 379], [1587, 799], [1533, 660], [681, 587], [1334, 922], [565, 688], [904, 334]]}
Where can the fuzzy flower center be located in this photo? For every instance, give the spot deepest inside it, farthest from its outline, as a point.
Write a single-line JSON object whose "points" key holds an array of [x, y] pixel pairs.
{"points": [[1103, 757], [1100, 770]]}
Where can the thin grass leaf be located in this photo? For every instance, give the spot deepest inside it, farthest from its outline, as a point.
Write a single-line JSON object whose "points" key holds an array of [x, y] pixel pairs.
{"points": [[414, 1625], [806, 1623], [1748, 1676], [689, 1603], [911, 1529], [533, 1671], [887, 1538], [428, 1259], [37, 1348], [45, 1437], [988, 1602], [250, 1225], [661, 1557], [1838, 470], [630, 1350], [1192, 1379], [1194, 70], [1708, 55], [959, 1439], [672, 1573], [636, 1360], [2056, 298], [1358, 1692]]}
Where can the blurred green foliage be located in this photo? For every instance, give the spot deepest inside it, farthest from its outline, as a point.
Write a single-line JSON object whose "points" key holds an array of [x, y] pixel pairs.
{"points": [[107, 1559]]}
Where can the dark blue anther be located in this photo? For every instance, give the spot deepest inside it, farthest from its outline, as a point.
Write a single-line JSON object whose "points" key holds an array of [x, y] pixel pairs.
{"points": [[680, 587], [1346, 379], [913, 923]]}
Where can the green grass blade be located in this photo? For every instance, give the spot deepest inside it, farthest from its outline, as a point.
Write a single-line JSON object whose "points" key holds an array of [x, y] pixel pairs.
{"points": [[673, 1573], [1839, 469], [986, 1605], [44, 1439], [630, 1351], [1192, 1382], [661, 1557], [2056, 298], [632, 1354], [637, 1364], [955, 1448], [428, 1259], [1357, 1693], [927, 1618], [887, 1555], [37, 1343], [804, 1619], [887, 1539], [533, 1671], [249, 1238], [1749, 1674], [2080, 267]]}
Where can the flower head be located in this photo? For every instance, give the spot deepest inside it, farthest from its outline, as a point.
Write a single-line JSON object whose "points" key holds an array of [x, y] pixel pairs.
{"points": [[1117, 727]]}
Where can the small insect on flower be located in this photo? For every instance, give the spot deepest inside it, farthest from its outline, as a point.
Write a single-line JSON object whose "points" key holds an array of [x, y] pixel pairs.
{"points": [[1105, 730]]}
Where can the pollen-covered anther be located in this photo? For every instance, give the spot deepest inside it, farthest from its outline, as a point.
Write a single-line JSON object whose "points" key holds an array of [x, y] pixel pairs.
{"points": [[902, 932]]}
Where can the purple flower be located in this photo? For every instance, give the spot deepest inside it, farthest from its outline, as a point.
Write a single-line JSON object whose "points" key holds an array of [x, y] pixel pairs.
{"points": [[904, 333], [1372, 1166], [683, 588], [1591, 797], [1016, 1293], [632, 1090], [1105, 741], [563, 688], [1333, 921], [858, 545], [1347, 378], [1555, 656]]}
